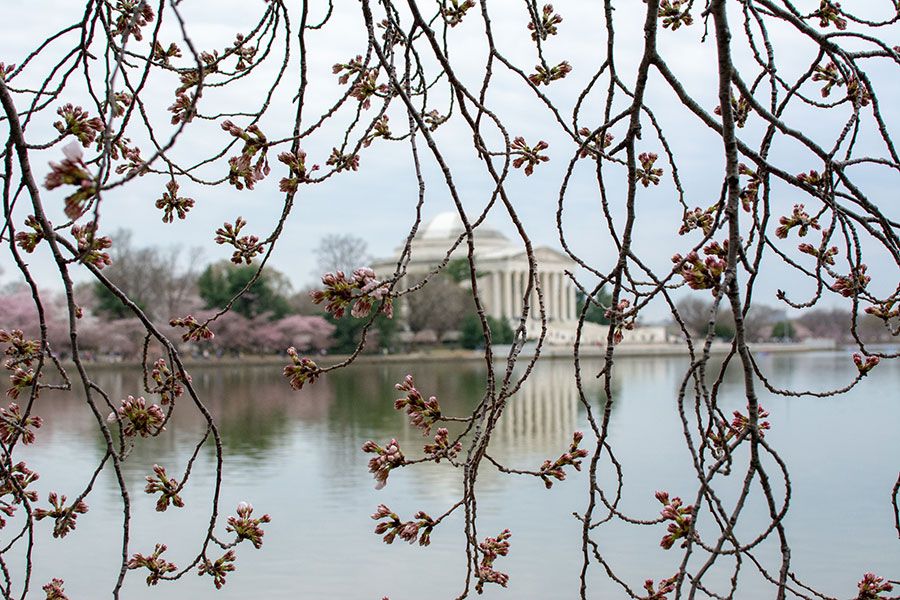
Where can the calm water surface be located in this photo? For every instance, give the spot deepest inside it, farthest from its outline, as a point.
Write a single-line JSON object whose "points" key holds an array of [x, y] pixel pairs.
{"points": [[296, 456]]}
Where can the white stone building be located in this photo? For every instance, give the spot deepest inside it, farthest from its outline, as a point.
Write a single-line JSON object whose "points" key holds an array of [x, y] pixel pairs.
{"points": [[502, 268]]}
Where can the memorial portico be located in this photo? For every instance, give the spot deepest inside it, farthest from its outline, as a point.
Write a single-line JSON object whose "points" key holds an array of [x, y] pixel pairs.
{"points": [[502, 272]]}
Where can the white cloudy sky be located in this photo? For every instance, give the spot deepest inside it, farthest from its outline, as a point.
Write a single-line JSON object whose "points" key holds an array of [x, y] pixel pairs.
{"points": [[377, 202]]}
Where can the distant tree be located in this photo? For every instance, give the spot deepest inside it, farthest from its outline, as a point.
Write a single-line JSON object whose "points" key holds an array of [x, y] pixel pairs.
{"points": [[827, 323], [302, 332], [301, 303], [161, 281], [348, 332], [784, 330], [341, 252], [761, 318], [471, 335], [457, 269], [758, 322], [222, 281], [595, 313], [18, 312], [440, 306]]}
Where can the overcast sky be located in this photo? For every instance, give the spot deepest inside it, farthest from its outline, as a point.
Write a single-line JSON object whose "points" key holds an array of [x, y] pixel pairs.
{"points": [[377, 203]]}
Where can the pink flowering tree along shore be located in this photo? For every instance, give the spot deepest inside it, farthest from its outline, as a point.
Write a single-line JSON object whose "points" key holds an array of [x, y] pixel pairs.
{"points": [[708, 150]]}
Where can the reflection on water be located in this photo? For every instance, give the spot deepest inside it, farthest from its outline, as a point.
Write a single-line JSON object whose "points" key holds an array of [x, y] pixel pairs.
{"points": [[296, 456]]}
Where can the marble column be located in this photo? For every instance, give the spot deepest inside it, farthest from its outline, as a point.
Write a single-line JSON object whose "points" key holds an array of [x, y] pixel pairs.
{"points": [[496, 302], [554, 296], [515, 293], [570, 289], [558, 296]]}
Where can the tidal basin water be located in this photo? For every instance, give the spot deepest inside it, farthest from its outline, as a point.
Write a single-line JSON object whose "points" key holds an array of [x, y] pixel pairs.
{"points": [[297, 457]]}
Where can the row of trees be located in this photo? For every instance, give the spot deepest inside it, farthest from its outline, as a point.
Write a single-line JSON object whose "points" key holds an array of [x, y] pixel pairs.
{"points": [[763, 322], [269, 317]]}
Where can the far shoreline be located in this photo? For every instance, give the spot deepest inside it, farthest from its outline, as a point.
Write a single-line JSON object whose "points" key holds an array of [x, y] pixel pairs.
{"points": [[500, 354]]}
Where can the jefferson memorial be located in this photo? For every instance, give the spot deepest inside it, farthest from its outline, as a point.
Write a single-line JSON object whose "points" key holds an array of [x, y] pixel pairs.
{"points": [[502, 267]]}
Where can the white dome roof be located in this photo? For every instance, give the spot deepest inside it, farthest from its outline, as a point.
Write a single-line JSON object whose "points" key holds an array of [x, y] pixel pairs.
{"points": [[449, 225]]}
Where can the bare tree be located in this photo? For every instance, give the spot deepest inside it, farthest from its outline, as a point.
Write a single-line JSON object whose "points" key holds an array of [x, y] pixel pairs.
{"points": [[440, 307], [340, 252]]}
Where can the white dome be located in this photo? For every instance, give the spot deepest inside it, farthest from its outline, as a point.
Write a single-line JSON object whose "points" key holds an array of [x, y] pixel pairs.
{"points": [[449, 225]]}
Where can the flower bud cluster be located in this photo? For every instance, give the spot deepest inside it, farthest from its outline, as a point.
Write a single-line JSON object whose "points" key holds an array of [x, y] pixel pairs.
{"points": [[595, 145], [133, 15], [665, 587], [245, 526], [799, 218], [245, 247], [740, 110], [852, 284], [13, 484], [392, 527], [572, 457], [830, 75], [168, 385], [740, 425], [547, 25], [367, 86], [72, 171], [302, 370], [682, 518], [830, 13], [545, 76], [750, 193], [824, 255], [422, 413], [865, 365], [361, 290], [672, 14], [698, 219], [195, 331], [526, 155], [240, 166], [441, 447], [648, 174], [21, 351], [55, 590], [134, 164], [219, 569], [184, 109], [5, 70], [434, 119], [385, 459], [342, 162], [13, 423], [165, 55], [454, 11], [617, 315], [871, 587], [346, 70], [380, 129], [168, 488], [245, 53], [491, 549], [171, 204], [20, 380], [157, 566], [703, 274], [90, 247], [138, 418], [296, 163], [64, 516], [885, 310], [76, 121], [28, 240]]}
